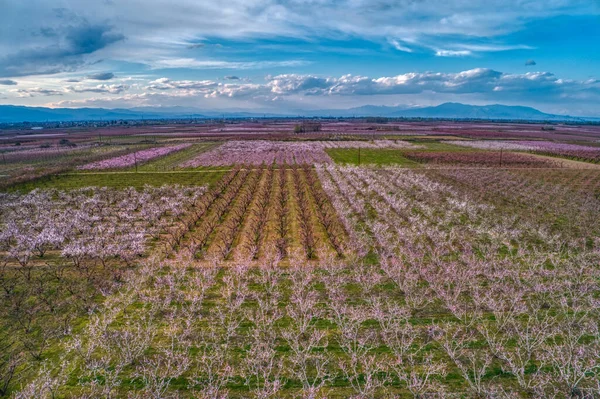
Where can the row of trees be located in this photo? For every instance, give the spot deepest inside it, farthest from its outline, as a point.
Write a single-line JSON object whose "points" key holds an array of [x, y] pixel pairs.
{"points": [[62, 252], [307, 127], [259, 214], [304, 215], [313, 331], [516, 308], [282, 213]]}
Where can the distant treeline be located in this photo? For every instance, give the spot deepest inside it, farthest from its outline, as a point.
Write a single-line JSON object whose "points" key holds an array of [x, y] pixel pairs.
{"points": [[234, 120]]}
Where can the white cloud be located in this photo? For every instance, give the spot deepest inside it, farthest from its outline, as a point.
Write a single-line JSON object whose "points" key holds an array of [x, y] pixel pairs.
{"points": [[292, 83], [453, 53], [192, 63], [168, 84], [103, 88], [400, 46], [452, 49], [293, 91], [484, 83], [480, 81], [491, 47]]}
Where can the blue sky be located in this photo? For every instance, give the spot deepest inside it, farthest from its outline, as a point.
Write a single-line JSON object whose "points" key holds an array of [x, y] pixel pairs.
{"points": [[300, 54]]}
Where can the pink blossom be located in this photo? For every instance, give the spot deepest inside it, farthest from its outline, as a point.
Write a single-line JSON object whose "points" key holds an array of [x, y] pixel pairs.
{"points": [[131, 159]]}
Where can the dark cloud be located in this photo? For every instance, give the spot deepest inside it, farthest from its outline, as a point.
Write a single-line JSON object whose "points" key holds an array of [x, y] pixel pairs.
{"points": [[196, 45], [87, 38], [73, 80], [65, 51], [37, 91], [48, 32], [8, 82], [232, 77], [530, 63], [101, 76]]}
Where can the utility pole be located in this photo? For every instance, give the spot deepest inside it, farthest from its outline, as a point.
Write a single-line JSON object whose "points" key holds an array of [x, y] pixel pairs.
{"points": [[359, 155], [135, 160]]}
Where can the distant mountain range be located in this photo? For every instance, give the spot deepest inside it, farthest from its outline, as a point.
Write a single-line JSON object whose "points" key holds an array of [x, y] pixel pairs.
{"points": [[17, 114], [458, 110]]}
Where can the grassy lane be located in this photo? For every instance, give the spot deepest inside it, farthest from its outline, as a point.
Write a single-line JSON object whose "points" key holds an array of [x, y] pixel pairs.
{"points": [[253, 231], [202, 236], [228, 232], [121, 180], [369, 156]]}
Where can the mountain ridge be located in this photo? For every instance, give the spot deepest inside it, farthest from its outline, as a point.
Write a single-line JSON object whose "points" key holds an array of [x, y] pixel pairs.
{"points": [[449, 110]]}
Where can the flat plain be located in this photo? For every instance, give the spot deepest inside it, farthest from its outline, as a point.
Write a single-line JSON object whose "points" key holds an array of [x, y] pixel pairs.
{"points": [[368, 260]]}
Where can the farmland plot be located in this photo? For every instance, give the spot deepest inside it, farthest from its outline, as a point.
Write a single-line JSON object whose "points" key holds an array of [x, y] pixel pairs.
{"points": [[239, 216], [452, 283], [21, 166], [571, 151], [391, 144], [258, 152], [133, 158], [488, 159], [174, 159]]}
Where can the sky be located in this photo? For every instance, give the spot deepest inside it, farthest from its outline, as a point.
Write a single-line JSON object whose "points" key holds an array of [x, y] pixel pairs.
{"points": [[278, 55]]}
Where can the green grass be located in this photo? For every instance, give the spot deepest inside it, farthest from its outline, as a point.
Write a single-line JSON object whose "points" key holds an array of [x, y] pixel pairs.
{"points": [[129, 139], [430, 145], [72, 181], [369, 156]]}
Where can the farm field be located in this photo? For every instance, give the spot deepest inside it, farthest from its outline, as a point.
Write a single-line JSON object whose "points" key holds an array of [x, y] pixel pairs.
{"points": [[247, 261], [369, 156], [71, 181], [28, 164], [176, 159]]}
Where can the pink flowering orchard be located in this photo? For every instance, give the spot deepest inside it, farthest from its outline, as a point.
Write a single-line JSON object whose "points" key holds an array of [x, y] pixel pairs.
{"points": [[289, 152], [574, 151], [133, 158]]}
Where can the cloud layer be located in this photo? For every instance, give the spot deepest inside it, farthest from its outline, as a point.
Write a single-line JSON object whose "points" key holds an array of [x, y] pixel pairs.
{"points": [[474, 81], [480, 83], [39, 38], [55, 48], [155, 52]]}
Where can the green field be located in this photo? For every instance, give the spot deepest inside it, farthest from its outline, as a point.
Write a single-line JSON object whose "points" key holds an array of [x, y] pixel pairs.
{"points": [[72, 181], [435, 145], [369, 156]]}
